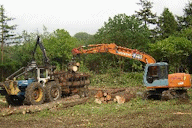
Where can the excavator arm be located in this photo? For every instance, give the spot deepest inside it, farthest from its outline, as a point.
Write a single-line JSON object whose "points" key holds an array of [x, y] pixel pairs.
{"points": [[114, 49]]}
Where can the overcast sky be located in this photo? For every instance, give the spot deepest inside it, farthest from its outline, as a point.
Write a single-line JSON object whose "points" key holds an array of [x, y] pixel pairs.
{"points": [[76, 15]]}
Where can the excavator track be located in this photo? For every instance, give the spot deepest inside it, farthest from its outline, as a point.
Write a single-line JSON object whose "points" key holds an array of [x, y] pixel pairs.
{"points": [[166, 94]]}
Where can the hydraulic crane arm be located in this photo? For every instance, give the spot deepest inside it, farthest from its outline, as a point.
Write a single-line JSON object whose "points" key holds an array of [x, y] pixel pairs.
{"points": [[45, 58], [114, 49]]}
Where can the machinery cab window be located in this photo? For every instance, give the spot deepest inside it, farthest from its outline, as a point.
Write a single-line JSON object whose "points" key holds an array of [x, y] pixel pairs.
{"points": [[157, 73], [42, 73]]}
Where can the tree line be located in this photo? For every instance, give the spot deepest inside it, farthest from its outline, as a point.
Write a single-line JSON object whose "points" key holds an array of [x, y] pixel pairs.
{"points": [[166, 37]]}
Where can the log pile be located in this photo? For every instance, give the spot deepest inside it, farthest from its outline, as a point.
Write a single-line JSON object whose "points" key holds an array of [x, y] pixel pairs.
{"points": [[62, 103], [118, 95]]}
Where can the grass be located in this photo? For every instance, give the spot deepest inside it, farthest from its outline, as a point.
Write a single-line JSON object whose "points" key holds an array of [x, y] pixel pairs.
{"points": [[132, 79], [2, 104], [135, 113]]}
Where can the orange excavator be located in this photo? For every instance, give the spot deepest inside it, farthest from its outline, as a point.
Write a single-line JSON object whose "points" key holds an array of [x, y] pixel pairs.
{"points": [[159, 83]]}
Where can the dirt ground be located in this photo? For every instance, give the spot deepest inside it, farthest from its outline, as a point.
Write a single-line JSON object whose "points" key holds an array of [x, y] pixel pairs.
{"points": [[81, 112]]}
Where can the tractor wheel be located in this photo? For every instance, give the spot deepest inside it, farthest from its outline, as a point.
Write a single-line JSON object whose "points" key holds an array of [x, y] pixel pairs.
{"points": [[14, 100], [34, 94], [53, 91]]}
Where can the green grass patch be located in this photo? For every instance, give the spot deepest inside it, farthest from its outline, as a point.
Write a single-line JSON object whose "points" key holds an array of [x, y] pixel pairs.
{"points": [[131, 79], [135, 113]]}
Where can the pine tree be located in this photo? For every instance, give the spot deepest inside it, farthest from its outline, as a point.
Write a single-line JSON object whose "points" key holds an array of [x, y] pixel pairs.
{"points": [[185, 21], [6, 31], [6, 35], [145, 14], [188, 14]]}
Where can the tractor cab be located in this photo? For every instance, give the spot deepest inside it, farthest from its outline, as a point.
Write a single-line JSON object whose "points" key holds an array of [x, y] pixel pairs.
{"points": [[156, 75], [42, 75]]}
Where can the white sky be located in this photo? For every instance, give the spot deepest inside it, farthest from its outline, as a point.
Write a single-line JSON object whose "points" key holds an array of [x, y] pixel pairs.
{"points": [[76, 15]]}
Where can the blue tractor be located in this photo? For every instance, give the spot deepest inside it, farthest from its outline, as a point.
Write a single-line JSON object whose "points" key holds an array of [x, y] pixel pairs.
{"points": [[36, 84]]}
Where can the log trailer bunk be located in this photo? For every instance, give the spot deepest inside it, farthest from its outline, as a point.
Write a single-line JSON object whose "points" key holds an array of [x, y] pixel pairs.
{"points": [[159, 83], [42, 83]]}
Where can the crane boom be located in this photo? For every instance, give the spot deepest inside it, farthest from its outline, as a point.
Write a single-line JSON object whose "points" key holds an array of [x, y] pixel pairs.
{"points": [[45, 58], [114, 49]]}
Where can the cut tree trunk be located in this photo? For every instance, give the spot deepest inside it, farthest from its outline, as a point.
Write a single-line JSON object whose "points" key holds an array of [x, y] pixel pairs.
{"points": [[120, 99], [116, 95]]}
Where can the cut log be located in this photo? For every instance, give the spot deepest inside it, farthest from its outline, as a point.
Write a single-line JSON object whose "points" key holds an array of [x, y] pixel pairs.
{"points": [[123, 98], [108, 97], [102, 99], [105, 94], [46, 106], [119, 95], [99, 94], [73, 68], [114, 100], [98, 101]]}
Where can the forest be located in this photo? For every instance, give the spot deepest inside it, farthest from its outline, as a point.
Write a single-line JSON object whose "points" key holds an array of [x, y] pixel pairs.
{"points": [[167, 38]]}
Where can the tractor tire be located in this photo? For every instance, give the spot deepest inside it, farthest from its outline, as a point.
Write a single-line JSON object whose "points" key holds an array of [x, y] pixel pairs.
{"points": [[14, 100], [34, 94], [53, 91]]}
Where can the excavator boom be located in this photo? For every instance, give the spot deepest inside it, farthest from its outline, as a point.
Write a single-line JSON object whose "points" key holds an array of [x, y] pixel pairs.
{"points": [[114, 49]]}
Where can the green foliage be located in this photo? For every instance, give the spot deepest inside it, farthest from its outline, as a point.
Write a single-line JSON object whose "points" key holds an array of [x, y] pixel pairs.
{"points": [[167, 24], [6, 35], [5, 29], [59, 46], [186, 33], [125, 31], [188, 14], [145, 14], [84, 37], [99, 63], [175, 50]]}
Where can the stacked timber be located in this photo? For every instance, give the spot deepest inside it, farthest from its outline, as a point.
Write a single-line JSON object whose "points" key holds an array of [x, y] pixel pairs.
{"points": [[118, 95]]}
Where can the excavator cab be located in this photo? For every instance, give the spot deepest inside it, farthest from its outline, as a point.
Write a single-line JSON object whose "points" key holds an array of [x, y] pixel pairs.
{"points": [[156, 75]]}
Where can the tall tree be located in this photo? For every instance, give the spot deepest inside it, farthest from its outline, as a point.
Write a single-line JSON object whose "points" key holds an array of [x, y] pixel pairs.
{"points": [[188, 14], [185, 21], [58, 47], [173, 49], [5, 30], [145, 14], [84, 37], [6, 33], [167, 24], [125, 31]]}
